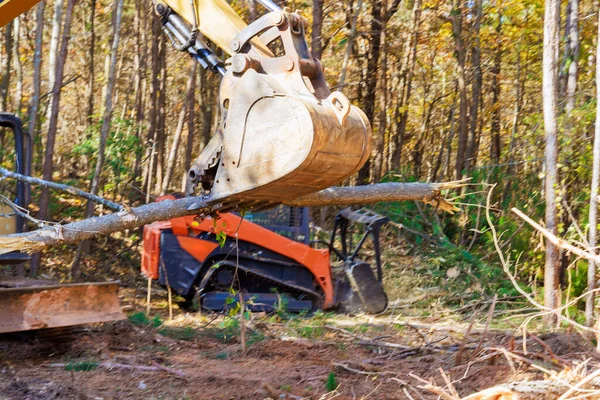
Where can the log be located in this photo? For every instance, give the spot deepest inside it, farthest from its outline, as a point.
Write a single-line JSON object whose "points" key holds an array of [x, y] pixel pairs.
{"points": [[138, 216], [428, 193]]}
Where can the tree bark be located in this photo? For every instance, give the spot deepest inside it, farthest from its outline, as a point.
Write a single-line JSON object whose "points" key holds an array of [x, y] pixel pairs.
{"points": [[140, 86], [161, 132], [34, 104], [139, 216], [153, 112], [456, 19], [378, 144], [189, 92], [593, 217], [573, 54], [91, 64], [6, 66], [371, 77], [549, 87], [471, 150], [317, 29], [18, 97], [53, 59], [189, 146], [496, 144]]}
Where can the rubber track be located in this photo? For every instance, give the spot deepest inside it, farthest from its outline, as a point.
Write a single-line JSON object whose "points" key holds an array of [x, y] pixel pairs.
{"points": [[276, 282]]}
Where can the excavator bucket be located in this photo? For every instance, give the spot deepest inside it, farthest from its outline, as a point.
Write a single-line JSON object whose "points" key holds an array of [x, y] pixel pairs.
{"points": [[283, 134], [28, 305]]}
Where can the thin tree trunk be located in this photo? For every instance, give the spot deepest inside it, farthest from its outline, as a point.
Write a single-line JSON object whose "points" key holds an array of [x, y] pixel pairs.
{"points": [[153, 112], [379, 142], [371, 77], [53, 123], [317, 29], [6, 66], [476, 94], [161, 132], [18, 97], [495, 148], [456, 18], [140, 82], [593, 218], [34, 105], [573, 54], [53, 52], [550, 86], [189, 147], [206, 102], [189, 92], [91, 64]]}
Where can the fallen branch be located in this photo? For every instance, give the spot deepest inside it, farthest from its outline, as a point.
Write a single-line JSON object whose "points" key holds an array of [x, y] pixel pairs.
{"points": [[563, 244], [62, 188], [165, 210]]}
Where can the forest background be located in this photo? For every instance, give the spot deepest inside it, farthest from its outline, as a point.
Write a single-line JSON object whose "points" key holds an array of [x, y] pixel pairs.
{"points": [[454, 89]]}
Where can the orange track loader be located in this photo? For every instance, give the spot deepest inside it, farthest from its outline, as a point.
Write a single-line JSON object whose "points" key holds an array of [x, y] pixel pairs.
{"points": [[211, 258]]}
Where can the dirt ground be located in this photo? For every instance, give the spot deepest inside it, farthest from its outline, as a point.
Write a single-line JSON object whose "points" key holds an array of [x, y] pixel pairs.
{"points": [[290, 359], [200, 356]]}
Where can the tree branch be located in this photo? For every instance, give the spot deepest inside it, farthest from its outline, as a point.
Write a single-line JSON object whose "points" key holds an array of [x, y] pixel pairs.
{"points": [[563, 244], [165, 210], [61, 187]]}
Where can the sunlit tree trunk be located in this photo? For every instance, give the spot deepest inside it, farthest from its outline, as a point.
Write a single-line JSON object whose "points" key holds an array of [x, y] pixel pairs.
{"points": [[573, 54], [34, 104], [6, 66], [550, 89], [53, 51], [91, 65], [593, 217], [18, 97]]}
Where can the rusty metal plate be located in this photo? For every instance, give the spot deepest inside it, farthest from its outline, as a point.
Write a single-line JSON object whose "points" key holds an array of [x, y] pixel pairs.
{"points": [[51, 306]]}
